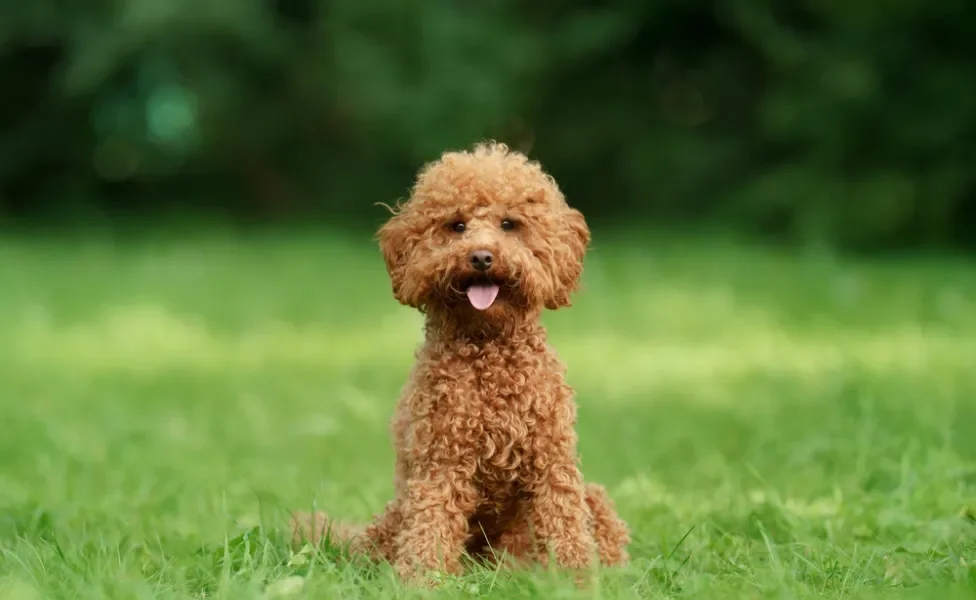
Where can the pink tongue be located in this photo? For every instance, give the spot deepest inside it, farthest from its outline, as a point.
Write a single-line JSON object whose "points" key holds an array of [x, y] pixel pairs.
{"points": [[482, 295]]}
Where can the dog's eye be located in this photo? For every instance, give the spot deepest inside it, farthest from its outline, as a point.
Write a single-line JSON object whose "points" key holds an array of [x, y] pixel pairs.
{"points": [[508, 225], [458, 226]]}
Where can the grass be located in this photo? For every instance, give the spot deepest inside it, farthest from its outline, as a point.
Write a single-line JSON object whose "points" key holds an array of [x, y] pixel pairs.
{"points": [[771, 425]]}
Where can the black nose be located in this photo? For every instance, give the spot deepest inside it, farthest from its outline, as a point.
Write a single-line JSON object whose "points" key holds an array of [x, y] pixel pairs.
{"points": [[481, 260]]}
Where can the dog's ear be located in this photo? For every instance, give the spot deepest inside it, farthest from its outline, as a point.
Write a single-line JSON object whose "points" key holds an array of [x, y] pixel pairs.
{"points": [[396, 245], [573, 237]]}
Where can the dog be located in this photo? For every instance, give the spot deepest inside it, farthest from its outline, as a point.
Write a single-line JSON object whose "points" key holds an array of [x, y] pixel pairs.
{"points": [[484, 430]]}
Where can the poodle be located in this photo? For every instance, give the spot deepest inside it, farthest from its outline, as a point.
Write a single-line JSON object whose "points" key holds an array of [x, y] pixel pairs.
{"points": [[484, 430]]}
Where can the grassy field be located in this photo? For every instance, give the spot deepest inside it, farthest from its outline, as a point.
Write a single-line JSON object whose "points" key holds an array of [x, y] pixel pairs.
{"points": [[771, 425]]}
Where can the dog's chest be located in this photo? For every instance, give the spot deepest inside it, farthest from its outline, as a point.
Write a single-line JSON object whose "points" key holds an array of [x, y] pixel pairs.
{"points": [[495, 401], [504, 428]]}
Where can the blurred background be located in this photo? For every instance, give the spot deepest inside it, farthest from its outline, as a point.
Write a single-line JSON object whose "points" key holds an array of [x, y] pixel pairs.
{"points": [[849, 124]]}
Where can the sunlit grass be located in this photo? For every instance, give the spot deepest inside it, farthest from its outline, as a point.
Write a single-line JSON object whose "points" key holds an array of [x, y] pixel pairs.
{"points": [[151, 339], [771, 425]]}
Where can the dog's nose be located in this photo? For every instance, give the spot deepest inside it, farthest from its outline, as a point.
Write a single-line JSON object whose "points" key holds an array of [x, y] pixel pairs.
{"points": [[481, 260]]}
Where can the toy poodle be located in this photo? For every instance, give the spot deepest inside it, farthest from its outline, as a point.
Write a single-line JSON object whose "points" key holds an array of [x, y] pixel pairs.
{"points": [[484, 430]]}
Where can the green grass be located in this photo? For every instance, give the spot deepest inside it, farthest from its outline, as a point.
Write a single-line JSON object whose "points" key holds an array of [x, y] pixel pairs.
{"points": [[771, 425]]}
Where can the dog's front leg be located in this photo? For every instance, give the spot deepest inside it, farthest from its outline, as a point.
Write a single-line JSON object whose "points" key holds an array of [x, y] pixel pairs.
{"points": [[435, 522], [559, 518]]}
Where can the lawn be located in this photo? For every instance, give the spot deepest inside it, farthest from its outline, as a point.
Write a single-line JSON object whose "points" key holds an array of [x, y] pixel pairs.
{"points": [[771, 424]]}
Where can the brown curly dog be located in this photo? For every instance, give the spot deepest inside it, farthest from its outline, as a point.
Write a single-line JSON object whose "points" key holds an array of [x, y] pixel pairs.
{"points": [[484, 434]]}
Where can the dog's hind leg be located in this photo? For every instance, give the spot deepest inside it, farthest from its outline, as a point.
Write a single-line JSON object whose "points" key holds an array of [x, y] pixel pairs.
{"points": [[375, 541], [611, 533], [378, 541]]}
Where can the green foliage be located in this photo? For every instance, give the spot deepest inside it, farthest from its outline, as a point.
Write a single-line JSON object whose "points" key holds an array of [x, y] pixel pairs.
{"points": [[838, 122]]}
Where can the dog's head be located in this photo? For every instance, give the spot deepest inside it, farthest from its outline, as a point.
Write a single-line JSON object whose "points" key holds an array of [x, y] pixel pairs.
{"points": [[486, 234]]}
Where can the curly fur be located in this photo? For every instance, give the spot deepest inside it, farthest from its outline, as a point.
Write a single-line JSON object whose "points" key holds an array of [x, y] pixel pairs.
{"points": [[484, 430]]}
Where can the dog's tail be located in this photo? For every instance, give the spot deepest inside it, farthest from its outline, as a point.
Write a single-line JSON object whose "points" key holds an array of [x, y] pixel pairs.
{"points": [[611, 533], [314, 528]]}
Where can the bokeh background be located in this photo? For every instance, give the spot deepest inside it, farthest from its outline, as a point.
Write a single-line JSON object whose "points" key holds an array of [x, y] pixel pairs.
{"points": [[849, 123]]}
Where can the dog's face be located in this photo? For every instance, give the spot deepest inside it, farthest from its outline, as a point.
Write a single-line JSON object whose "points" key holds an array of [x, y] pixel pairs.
{"points": [[485, 235]]}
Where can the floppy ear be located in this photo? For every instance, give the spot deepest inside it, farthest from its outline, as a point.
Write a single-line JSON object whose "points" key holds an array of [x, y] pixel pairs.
{"points": [[574, 237], [396, 246]]}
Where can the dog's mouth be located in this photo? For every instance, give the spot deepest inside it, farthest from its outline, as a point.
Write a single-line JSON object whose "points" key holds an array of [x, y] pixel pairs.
{"points": [[481, 291]]}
